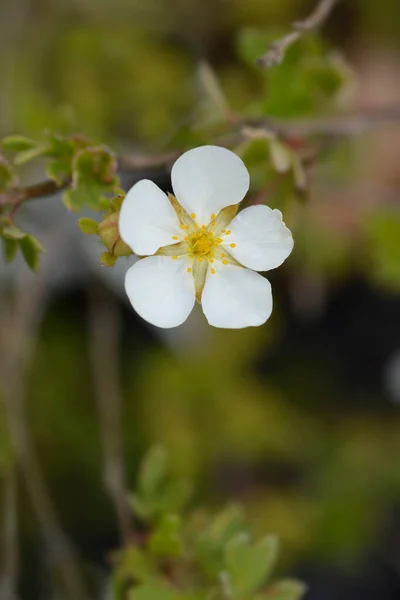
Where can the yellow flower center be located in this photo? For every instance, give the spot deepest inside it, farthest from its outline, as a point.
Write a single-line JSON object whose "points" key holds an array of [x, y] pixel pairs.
{"points": [[202, 244]]}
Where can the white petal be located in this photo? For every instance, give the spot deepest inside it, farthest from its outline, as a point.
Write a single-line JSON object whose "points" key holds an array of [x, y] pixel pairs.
{"points": [[147, 220], [235, 297], [161, 290], [262, 239], [208, 178]]}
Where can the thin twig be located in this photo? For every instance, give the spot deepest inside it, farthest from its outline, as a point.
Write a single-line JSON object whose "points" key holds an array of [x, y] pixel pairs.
{"points": [[277, 50], [9, 574], [104, 351], [20, 330]]}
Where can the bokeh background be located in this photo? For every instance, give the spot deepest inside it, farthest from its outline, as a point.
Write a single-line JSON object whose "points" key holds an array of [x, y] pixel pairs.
{"points": [[298, 419]]}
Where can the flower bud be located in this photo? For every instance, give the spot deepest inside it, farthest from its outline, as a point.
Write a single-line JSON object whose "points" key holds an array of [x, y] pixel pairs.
{"points": [[109, 234]]}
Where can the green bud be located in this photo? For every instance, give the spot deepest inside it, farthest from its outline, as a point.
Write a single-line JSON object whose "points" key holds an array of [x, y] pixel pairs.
{"points": [[109, 233], [107, 259], [88, 226]]}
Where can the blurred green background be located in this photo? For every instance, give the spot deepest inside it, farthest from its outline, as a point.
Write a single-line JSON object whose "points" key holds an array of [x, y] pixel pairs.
{"points": [[298, 419]]}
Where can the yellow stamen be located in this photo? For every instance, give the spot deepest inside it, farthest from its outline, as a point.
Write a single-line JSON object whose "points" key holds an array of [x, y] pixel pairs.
{"points": [[189, 270], [213, 271], [213, 222], [223, 255], [174, 257], [193, 215], [203, 227], [211, 260], [219, 240], [182, 226], [175, 237], [223, 231], [228, 232], [213, 216], [224, 262], [232, 245]]}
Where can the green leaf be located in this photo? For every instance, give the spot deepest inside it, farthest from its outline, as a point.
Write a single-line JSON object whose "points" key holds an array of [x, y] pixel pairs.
{"points": [[18, 143], [9, 247], [382, 231], [5, 175], [287, 589], [95, 165], [74, 199], [13, 232], [31, 249], [210, 85], [280, 156], [212, 541], [166, 540], [88, 226], [249, 566], [135, 565], [59, 170], [27, 155], [153, 471]]}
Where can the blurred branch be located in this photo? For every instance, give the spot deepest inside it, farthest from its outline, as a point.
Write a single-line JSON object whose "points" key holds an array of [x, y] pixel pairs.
{"points": [[104, 350], [9, 574], [21, 318], [336, 126], [277, 50]]}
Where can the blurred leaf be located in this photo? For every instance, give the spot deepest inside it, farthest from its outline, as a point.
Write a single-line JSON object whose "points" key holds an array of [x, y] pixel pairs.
{"points": [[18, 143], [75, 198], [135, 566], [59, 170], [212, 541], [31, 249], [210, 85], [153, 471], [166, 540], [287, 589], [95, 165], [6, 176], [10, 248], [13, 232], [27, 155], [280, 155], [383, 238], [88, 226], [249, 565]]}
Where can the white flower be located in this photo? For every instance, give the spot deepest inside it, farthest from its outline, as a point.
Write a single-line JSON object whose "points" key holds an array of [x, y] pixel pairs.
{"points": [[195, 246]]}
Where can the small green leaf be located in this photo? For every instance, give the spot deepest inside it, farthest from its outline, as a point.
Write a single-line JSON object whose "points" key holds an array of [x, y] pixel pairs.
{"points": [[95, 165], [166, 540], [74, 199], [13, 232], [287, 589], [18, 143], [9, 247], [88, 226], [27, 155], [135, 565], [5, 175], [107, 259], [31, 249], [153, 471], [249, 566], [59, 170], [210, 85]]}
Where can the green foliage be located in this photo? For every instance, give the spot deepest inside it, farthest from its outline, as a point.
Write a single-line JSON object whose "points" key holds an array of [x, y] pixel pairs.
{"points": [[188, 558], [12, 238], [308, 80], [382, 232]]}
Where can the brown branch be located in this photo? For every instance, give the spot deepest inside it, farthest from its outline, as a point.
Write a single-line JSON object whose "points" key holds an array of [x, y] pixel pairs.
{"points": [[277, 50], [9, 575], [336, 126]]}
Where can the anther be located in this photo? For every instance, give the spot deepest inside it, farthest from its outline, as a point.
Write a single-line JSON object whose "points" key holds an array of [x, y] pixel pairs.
{"points": [[213, 216], [175, 237], [193, 215], [232, 245], [174, 257], [182, 226], [213, 222], [224, 262], [228, 232], [213, 271], [189, 270]]}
